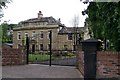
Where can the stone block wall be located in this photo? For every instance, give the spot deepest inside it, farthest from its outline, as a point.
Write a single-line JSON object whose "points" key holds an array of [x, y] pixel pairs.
{"points": [[12, 56], [108, 64]]}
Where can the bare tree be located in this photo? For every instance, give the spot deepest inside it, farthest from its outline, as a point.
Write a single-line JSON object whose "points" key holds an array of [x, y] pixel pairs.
{"points": [[75, 23]]}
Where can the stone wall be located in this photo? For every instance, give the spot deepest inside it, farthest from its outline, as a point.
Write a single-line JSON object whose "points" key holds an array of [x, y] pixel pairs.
{"points": [[108, 64], [12, 56]]}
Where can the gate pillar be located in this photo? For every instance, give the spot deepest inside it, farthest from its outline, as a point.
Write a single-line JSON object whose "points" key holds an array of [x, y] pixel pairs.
{"points": [[90, 47]]}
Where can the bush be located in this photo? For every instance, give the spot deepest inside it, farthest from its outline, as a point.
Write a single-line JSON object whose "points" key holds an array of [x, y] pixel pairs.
{"points": [[56, 54]]}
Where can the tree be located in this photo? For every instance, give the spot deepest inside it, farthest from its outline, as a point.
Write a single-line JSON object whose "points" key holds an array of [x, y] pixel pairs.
{"points": [[103, 19], [75, 23], [6, 36], [3, 4]]}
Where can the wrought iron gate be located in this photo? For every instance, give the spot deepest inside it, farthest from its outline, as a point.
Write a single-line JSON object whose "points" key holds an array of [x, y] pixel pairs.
{"points": [[49, 57]]}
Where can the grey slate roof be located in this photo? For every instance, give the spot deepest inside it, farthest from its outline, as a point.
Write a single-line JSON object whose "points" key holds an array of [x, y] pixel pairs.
{"points": [[66, 30], [50, 20]]}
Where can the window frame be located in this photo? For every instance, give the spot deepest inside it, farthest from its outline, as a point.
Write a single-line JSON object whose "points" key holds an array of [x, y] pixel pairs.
{"points": [[33, 35], [18, 35], [41, 47], [48, 35], [26, 34], [41, 35], [70, 36]]}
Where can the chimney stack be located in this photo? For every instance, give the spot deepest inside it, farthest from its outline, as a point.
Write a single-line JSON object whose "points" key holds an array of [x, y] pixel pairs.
{"points": [[40, 15]]}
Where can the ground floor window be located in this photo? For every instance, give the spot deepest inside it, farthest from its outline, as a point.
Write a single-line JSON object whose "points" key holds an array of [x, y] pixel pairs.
{"points": [[41, 46]]}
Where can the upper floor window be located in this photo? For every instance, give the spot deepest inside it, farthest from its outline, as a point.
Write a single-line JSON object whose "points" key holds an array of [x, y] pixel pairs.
{"points": [[48, 35], [70, 36], [19, 35], [41, 35], [33, 35], [26, 34]]}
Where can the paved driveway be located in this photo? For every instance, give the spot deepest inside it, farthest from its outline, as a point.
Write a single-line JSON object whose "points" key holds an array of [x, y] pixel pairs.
{"points": [[40, 71], [63, 62]]}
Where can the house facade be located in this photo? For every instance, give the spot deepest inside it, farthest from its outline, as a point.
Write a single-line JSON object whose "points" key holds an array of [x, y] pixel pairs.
{"points": [[38, 30]]}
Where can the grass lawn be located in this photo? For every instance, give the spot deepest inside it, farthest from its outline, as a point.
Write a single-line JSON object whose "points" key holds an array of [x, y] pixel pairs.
{"points": [[46, 57], [39, 57]]}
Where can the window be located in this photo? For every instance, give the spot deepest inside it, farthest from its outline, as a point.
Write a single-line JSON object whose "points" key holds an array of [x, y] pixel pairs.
{"points": [[33, 35], [36, 47], [41, 46], [65, 47], [48, 35], [18, 46], [70, 36], [19, 35], [48, 46], [26, 34], [41, 35], [33, 47]]}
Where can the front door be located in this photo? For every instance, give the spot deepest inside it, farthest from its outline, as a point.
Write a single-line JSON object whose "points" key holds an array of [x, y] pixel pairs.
{"points": [[33, 48]]}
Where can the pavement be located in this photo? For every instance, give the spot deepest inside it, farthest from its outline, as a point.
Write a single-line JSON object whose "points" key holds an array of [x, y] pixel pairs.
{"points": [[40, 71]]}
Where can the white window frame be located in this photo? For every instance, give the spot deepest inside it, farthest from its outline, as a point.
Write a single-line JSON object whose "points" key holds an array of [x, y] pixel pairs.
{"points": [[48, 35], [18, 35], [41, 48], [41, 33], [48, 46], [33, 35], [18, 45], [26, 34]]}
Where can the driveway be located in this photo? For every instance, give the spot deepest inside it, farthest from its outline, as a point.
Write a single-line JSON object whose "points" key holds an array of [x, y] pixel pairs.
{"points": [[63, 62], [40, 71]]}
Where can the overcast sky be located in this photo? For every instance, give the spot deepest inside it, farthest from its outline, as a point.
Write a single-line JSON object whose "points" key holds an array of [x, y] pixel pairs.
{"points": [[20, 10]]}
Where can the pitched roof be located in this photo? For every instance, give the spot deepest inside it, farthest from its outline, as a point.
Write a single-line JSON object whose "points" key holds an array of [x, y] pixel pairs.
{"points": [[50, 20], [66, 30], [63, 30], [73, 29]]}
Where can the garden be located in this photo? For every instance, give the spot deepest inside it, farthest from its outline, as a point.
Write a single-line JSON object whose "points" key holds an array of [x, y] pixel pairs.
{"points": [[46, 56]]}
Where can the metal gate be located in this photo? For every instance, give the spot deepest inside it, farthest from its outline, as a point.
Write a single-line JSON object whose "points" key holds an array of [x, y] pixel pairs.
{"points": [[49, 57], [65, 58]]}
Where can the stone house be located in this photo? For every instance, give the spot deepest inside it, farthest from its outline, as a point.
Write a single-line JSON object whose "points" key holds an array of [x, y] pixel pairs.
{"points": [[38, 30]]}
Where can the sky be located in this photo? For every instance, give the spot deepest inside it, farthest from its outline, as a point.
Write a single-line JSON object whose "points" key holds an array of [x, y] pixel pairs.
{"points": [[20, 10]]}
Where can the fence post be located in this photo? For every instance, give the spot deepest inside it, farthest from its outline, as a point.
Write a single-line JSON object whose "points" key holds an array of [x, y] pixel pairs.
{"points": [[89, 47]]}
